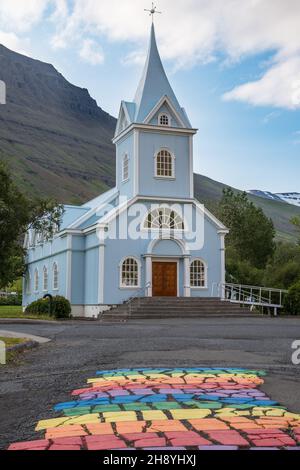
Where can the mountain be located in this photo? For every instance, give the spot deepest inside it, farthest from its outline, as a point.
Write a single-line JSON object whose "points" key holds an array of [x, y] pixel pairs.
{"points": [[290, 198], [53, 135], [57, 141]]}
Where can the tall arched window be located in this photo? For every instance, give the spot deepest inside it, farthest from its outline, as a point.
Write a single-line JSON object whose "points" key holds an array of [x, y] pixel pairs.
{"points": [[28, 282], [164, 119], [45, 279], [36, 280], [164, 218], [55, 276], [130, 273], [198, 273], [164, 164], [125, 168]]}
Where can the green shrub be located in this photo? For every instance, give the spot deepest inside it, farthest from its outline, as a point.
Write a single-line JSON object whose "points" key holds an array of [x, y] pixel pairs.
{"points": [[61, 307], [11, 300], [292, 300]]}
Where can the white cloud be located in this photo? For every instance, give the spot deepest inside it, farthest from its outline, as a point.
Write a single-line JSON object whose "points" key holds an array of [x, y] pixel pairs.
{"points": [[91, 52], [189, 32], [278, 87], [14, 42], [19, 16]]}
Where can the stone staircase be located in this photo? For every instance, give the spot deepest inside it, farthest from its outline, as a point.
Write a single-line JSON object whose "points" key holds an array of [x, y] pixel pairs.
{"points": [[174, 307]]}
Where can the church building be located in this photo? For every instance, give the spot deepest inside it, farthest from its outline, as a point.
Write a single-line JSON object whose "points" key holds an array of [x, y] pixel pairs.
{"points": [[148, 236]]}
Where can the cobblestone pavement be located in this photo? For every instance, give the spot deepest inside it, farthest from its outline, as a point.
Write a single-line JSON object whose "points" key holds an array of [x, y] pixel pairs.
{"points": [[167, 408]]}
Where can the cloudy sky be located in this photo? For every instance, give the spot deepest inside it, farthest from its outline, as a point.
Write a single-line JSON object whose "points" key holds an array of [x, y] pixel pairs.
{"points": [[235, 66]]}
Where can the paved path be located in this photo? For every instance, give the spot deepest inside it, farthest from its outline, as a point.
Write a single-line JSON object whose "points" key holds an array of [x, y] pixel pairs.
{"points": [[46, 376]]}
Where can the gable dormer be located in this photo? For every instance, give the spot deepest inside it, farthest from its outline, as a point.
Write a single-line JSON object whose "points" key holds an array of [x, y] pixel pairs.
{"points": [[164, 114]]}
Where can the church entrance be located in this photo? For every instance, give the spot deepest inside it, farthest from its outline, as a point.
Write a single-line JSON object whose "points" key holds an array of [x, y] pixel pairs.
{"points": [[164, 279]]}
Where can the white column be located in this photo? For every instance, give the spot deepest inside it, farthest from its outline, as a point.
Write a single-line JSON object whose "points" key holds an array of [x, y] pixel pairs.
{"points": [[149, 276], [69, 269], [186, 277], [223, 268], [100, 234]]}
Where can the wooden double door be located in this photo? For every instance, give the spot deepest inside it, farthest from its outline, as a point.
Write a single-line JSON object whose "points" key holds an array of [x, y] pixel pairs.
{"points": [[164, 279]]}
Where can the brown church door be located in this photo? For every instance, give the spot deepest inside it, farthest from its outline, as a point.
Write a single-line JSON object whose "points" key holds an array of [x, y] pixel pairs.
{"points": [[164, 279]]}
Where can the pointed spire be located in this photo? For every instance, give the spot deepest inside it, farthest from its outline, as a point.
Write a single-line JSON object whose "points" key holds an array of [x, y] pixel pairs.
{"points": [[154, 85]]}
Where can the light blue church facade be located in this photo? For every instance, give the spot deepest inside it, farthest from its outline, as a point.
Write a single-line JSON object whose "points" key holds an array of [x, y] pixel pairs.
{"points": [[148, 236]]}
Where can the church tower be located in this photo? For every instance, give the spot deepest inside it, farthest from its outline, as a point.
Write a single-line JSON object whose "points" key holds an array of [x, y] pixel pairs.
{"points": [[154, 138]]}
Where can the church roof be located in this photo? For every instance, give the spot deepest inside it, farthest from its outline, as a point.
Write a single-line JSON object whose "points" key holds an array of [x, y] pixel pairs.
{"points": [[153, 85]]}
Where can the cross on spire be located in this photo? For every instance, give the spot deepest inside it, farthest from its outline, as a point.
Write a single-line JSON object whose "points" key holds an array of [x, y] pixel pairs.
{"points": [[153, 11]]}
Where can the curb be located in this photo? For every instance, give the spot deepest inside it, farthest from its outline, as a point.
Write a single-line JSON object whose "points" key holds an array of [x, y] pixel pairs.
{"points": [[23, 346], [29, 321]]}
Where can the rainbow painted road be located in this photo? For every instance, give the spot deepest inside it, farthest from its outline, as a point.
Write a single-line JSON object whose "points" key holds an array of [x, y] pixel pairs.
{"points": [[182, 408]]}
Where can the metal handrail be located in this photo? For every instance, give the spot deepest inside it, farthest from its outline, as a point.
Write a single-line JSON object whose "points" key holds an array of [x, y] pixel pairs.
{"points": [[250, 295]]}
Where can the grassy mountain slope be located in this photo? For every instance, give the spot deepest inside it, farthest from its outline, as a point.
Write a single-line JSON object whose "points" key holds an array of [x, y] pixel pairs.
{"points": [[53, 135], [57, 141]]}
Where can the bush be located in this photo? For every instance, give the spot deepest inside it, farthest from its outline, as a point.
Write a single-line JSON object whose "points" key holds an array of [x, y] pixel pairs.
{"points": [[11, 300], [61, 307], [292, 300]]}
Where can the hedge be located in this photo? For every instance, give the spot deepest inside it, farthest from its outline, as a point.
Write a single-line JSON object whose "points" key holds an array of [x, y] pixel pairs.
{"points": [[292, 300], [61, 307]]}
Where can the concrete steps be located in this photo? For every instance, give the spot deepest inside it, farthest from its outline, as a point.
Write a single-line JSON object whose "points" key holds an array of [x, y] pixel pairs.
{"points": [[174, 307]]}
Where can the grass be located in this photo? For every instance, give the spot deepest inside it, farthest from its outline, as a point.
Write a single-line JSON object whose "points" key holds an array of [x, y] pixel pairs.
{"points": [[11, 356], [17, 312]]}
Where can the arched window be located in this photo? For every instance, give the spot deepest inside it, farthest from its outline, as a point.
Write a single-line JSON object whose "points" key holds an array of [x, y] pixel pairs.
{"points": [[164, 164], [45, 278], [198, 273], [164, 120], [164, 218], [36, 280], [28, 282], [130, 273], [125, 168], [55, 276]]}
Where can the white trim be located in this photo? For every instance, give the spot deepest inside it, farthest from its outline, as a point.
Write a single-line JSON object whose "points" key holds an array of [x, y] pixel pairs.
{"points": [[69, 268], [191, 160], [121, 285], [101, 272], [164, 99], [223, 263], [180, 243], [136, 161], [168, 260], [186, 277], [158, 129], [173, 176], [127, 118], [205, 274]]}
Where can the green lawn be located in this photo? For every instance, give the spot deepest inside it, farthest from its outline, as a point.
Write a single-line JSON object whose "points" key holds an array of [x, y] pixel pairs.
{"points": [[11, 356], [16, 312]]}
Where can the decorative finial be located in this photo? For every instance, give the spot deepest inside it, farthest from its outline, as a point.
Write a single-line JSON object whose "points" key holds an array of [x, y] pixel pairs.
{"points": [[153, 11]]}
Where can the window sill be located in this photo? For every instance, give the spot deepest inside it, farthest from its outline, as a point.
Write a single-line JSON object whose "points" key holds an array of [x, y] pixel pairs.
{"points": [[199, 288], [172, 178], [130, 287]]}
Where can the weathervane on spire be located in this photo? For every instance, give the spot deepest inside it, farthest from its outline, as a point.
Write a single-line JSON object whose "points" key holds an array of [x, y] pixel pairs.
{"points": [[153, 11]]}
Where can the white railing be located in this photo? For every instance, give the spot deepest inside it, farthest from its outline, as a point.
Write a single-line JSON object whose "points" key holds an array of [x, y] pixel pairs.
{"points": [[253, 296]]}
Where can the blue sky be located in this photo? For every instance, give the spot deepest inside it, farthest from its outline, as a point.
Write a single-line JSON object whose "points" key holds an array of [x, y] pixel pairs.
{"points": [[235, 69]]}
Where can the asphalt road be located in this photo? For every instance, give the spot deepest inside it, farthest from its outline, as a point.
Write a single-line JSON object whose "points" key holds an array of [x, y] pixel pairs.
{"points": [[47, 375]]}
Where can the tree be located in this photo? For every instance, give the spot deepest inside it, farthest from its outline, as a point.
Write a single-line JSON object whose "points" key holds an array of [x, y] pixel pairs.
{"points": [[17, 214], [296, 221], [251, 232], [283, 270]]}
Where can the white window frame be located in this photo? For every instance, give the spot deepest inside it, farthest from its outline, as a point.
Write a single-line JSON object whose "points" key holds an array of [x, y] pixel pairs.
{"points": [[124, 286], [36, 280], [205, 274], [165, 229], [45, 278], [160, 116], [173, 159], [53, 278], [125, 159]]}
